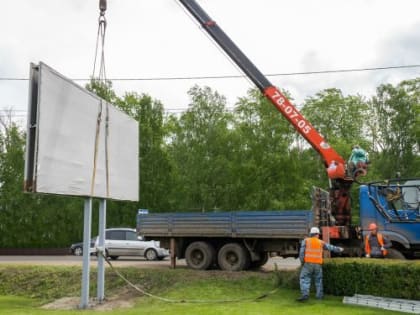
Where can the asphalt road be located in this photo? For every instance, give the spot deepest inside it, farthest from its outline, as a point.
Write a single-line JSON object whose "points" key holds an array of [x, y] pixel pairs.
{"points": [[69, 260]]}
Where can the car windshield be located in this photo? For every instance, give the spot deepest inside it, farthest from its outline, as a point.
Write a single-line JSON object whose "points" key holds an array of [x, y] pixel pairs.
{"points": [[411, 194]]}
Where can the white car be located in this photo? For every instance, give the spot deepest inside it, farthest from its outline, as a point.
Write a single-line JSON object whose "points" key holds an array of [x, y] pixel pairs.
{"points": [[125, 242], [77, 248]]}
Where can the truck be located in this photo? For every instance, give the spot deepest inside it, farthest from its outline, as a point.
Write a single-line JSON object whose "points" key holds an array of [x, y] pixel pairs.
{"points": [[394, 205], [236, 240], [239, 240]]}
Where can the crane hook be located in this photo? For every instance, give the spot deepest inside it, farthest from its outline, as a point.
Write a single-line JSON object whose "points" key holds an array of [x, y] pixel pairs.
{"points": [[102, 6]]}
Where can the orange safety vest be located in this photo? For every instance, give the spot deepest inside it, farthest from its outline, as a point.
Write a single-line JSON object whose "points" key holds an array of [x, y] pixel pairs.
{"points": [[380, 241], [313, 250]]}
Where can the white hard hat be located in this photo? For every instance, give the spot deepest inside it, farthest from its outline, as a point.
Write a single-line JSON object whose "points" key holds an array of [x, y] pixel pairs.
{"points": [[314, 230]]}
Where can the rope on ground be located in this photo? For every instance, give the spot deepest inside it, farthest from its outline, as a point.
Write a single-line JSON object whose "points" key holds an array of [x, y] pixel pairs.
{"points": [[167, 300]]}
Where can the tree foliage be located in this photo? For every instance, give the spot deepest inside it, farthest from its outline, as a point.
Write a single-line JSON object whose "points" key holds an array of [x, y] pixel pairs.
{"points": [[395, 112], [209, 158], [200, 146], [266, 156], [340, 119]]}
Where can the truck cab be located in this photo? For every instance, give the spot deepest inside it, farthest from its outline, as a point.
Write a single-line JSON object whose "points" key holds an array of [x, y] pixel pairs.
{"points": [[394, 206]]}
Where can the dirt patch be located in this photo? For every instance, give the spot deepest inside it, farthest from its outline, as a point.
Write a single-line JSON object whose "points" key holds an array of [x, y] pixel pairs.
{"points": [[126, 299]]}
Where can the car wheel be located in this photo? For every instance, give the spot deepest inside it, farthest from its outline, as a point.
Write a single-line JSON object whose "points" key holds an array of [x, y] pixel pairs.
{"points": [[150, 254], [78, 251]]}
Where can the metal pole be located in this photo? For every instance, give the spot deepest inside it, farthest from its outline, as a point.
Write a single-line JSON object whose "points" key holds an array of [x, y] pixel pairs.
{"points": [[84, 301], [101, 245]]}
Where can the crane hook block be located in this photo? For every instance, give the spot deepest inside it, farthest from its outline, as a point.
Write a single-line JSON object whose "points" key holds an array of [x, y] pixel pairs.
{"points": [[102, 6]]}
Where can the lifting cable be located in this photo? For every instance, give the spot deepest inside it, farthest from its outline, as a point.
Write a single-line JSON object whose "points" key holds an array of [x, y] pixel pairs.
{"points": [[101, 79], [167, 300]]}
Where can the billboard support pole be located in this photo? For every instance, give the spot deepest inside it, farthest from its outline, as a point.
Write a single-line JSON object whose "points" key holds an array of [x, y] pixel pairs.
{"points": [[84, 301], [101, 245]]}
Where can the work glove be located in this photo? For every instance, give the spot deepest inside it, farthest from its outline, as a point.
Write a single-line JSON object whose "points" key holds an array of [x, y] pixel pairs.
{"points": [[367, 256]]}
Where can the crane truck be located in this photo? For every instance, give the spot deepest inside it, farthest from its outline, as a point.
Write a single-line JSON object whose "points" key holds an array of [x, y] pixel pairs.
{"points": [[241, 240]]}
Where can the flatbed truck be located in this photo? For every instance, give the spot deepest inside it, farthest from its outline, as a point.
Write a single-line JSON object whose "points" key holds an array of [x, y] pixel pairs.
{"points": [[240, 240]]}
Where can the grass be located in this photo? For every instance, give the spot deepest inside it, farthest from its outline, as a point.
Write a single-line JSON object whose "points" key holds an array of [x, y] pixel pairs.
{"points": [[34, 286]]}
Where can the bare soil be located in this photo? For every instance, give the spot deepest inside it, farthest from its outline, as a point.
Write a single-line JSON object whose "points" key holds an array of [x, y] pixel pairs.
{"points": [[125, 299]]}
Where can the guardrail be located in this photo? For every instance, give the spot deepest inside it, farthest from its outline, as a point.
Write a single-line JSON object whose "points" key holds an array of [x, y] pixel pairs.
{"points": [[34, 251]]}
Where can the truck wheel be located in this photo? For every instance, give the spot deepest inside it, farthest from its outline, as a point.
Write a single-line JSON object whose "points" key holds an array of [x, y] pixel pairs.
{"points": [[394, 254], [200, 255], [233, 257], [260, 262]]}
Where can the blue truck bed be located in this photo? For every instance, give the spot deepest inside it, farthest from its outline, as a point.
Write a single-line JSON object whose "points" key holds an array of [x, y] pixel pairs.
{"points": [[240, 224]]}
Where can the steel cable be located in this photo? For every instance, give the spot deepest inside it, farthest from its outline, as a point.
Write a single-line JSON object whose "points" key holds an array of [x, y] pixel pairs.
{"points": [[100, 38]]}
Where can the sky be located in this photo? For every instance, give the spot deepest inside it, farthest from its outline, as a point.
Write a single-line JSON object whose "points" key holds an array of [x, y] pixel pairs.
{"points": [[158, 39]]}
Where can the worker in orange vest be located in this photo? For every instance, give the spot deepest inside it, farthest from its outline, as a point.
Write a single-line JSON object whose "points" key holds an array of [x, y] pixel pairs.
{"points": [[376, 244], [310, 254]]}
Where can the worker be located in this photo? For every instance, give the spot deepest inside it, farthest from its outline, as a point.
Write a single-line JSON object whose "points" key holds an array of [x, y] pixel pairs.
{"points": [[310, 255], [358, 161], [376, 244]]}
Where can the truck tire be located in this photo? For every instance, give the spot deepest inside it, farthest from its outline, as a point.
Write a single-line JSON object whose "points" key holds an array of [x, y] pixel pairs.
{"points": [[200, 255], [260, 262], [233, 257], [394, 254]]}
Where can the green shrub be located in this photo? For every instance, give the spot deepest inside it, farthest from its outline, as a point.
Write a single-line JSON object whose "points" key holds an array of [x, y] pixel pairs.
{"points": [[288, 279], [387, 278]]}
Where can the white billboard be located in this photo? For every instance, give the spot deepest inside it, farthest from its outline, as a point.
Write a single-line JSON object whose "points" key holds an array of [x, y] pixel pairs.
{"points": [[77, 143]]}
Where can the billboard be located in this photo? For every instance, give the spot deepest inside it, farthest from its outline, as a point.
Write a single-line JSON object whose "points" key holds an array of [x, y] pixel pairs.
{"points": [[77, 143]]}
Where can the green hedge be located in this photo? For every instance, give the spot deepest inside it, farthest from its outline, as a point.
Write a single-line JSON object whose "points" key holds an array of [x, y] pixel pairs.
{"points": [[387, 278]]}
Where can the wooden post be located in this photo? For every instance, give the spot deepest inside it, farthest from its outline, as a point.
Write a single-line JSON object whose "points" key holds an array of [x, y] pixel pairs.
{"points": [[173, 253]]}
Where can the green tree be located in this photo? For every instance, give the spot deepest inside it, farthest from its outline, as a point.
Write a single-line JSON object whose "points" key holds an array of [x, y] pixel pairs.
{"points": [[200, 147], [11, 180], [394, 127], [103, 89], [340, 119], [267, 163], [155, 166], [28, 220]]}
